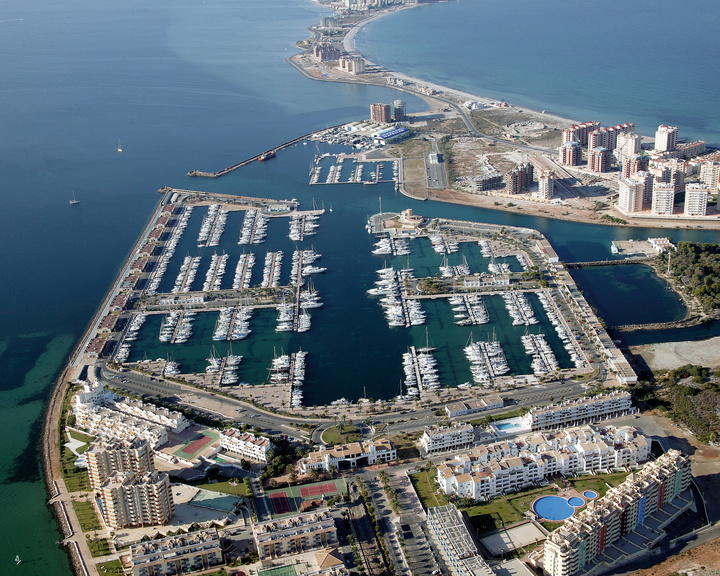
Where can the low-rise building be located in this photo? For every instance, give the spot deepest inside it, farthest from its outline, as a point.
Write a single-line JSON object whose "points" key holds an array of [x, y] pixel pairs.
{"points": [[347, 456], [581, 411], [490, 470], [465, 407], [182, 554], [444, 438], [246, 444], [295, 534]]}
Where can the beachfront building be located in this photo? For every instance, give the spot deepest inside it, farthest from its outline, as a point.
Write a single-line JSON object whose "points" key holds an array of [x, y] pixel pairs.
{"points": [[666, 138], [399, 111], [581, 411], [349, 456], [579, 132], [181, 554], [245, 444], [599, 159], [663, 198], [325, 52], [627, 146], [380, 112], [352, 64], [172, 420], [633, 164], [494, 469], [570, 154], [696, 199], [465, 407], [443, 438], [519, 178], [546, 184], [631, 194], [583, 543], [453, 535], [136, 500], [608, 137], [124, 456], [295, 534]]}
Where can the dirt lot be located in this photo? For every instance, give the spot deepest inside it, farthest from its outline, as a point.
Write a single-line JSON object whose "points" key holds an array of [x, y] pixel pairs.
{"points": [[701, 561]]}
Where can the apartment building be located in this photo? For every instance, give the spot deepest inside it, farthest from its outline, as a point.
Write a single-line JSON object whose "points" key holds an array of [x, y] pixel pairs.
{"points": [[663, 198], [143, 499], [182, 554], [570, 154], [666, 138], [578, 545], [246, 444], [122, 456], [580, 411], [348, 456], [696, 199], [295, 534], [579, 132], [546, 184], [443, 438]]}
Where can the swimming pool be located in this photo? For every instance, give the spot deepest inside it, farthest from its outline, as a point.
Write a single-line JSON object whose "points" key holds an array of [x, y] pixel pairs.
{"points": [[553, 508], [590, 494], [506, 426], [576, 502]]}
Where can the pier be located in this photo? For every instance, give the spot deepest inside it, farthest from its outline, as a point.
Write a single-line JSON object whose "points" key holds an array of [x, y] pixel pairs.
{"points": [[624, 262]]}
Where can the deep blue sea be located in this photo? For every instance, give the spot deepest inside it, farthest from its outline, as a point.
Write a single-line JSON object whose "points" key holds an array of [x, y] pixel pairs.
{"points": [[187, 85]]}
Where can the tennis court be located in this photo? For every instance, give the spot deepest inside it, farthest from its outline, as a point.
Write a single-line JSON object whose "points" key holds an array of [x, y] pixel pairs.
{"points": [[196, 444], [290, 499]]}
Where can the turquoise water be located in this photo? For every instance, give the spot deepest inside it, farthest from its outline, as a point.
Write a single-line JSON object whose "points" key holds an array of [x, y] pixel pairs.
{"points": [[553, 508], [506, 426], [188, 85]]}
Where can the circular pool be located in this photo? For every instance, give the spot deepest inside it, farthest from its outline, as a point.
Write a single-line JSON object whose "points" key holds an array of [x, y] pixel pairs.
{"points": [[576, 502], [590, 494], [553, 508]]}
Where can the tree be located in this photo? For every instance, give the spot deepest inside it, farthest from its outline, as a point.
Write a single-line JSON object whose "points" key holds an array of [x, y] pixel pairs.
{"points": [[314, 474]]}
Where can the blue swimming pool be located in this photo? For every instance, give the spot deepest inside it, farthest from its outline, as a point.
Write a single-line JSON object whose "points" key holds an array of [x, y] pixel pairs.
{"points": [[506, 426], [553, 508], [576, 502], [590, 494]]}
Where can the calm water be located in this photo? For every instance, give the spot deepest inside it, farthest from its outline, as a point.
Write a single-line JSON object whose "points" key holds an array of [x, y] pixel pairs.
{"points": [[200, 85]]}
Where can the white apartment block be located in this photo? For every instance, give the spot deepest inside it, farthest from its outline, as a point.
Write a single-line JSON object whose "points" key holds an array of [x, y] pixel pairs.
{"points": [[182, 554], [546, 184], [463, 408], [490, 470], [631, 194], [295, 534], [349, 456], [137, 500], [352, 64], [246, 444], [663, 198], [666, 138], [578, 545], [172, 420], [627, 145], [443, 438], [710, 175], [110, 425], [124, 456], [580, 411], [696, 199]]}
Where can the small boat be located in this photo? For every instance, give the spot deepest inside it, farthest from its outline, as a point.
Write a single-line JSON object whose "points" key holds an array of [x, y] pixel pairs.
{"points": [[119, 147], [17, 559], [74, 200], [266, 156]]}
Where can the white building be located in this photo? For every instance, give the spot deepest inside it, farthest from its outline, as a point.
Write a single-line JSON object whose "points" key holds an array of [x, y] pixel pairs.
{"points": [[137, 500], [125, 456], [580, 411], [710, 175], [351, 64], [463, 408], [663, 198], [696, 199], [295, 534], [546, 184], [172, 420], [348, 456], [631, 194], [490, 470], [443, 438], [666, 138], [246, 445], [181, 554]]}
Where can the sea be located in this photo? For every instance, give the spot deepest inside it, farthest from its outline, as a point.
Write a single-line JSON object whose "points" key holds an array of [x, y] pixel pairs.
{"points": [[203, 84]]}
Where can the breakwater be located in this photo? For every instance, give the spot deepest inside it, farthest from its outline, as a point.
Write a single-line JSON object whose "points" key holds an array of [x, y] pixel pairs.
{"points": [[625, 262], [267, 153]]}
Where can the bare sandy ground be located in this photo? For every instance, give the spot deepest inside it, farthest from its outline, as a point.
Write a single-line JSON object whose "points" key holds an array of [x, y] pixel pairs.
{"points": [[669, 355]]}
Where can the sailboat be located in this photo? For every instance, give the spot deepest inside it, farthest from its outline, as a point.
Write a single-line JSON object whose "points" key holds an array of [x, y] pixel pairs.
{"points": [[17, 559], [74, 200], [119, 147]]}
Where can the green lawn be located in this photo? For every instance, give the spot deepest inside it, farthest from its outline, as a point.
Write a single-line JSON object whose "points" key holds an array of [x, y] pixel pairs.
{"points": [[80, 436], [225, 487], [86, 515], [76, 479], [112, 568], [333, 435], [98, 547], [426, 491], [598, 483]]}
